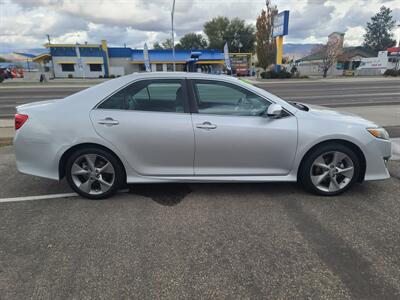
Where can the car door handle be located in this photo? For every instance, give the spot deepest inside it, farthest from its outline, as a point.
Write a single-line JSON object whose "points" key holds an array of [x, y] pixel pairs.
{"points": [[108, 121], [206, 125]]}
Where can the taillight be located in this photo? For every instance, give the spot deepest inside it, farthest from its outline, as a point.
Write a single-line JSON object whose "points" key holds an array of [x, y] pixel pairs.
{"points": [[20, 119]]}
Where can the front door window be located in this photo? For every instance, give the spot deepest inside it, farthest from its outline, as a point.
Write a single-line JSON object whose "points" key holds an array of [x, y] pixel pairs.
{"points": [[220, 98]]}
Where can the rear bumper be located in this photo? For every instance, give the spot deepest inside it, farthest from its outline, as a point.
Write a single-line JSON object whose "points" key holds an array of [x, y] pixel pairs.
{"points": [[35, 157], [377, 154]]}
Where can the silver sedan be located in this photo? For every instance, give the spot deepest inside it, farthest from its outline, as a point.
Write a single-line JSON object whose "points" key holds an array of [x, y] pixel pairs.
{"points": [[190, 127]]}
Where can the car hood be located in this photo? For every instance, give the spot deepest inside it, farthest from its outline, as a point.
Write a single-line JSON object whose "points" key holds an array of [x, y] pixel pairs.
{"points": [[337, 115]]}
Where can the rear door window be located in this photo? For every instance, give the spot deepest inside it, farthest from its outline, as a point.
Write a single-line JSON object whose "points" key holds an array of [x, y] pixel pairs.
{"points": [[150, 95]]}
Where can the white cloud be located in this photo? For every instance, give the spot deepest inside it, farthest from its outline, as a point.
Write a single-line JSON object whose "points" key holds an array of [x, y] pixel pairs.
{"points": [[24, 23], [354, 36]]}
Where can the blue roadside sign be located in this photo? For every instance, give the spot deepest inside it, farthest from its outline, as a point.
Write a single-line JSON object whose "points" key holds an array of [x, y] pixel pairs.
{"points": [[281, 24]]}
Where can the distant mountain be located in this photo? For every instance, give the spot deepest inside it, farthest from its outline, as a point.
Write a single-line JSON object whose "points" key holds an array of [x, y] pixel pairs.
{"points": [[31, 51], [14, 57], [297, 51]]}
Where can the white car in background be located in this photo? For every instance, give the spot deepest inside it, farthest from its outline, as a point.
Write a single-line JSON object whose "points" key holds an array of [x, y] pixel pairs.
{"points": [[190, 127]]}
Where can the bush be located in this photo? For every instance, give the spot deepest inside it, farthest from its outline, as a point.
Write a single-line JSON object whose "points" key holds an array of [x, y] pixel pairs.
{"points": [[265, 75], [70, 76], [273, 75], [391, 72], [284, 74], [1, 78]]}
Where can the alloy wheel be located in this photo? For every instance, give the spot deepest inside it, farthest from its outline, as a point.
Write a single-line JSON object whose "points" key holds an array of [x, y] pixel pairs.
{"points": [[332, 171], [93, 174]]}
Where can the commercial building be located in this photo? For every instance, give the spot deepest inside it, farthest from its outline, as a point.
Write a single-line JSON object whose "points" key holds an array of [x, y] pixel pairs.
{"points": [[99, 60], [389, 59], [349, 59]]}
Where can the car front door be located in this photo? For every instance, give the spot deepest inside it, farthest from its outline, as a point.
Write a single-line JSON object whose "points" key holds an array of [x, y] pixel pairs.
{"points": [[234, 137], [149, 123]]}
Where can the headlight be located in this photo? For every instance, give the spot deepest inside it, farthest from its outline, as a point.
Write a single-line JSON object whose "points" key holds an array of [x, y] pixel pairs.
{"points": [[379, 133]]}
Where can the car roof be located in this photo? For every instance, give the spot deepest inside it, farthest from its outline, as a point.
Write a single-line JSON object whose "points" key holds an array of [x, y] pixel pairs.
{"points": [[179, 75]]}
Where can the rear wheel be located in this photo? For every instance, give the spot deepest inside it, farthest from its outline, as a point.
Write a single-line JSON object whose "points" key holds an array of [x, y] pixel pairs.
{"points": [[94, 173], [330, 170]]}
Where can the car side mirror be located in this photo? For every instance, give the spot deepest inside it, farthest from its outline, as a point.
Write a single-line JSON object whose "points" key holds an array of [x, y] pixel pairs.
{"points": [[274, 110]]}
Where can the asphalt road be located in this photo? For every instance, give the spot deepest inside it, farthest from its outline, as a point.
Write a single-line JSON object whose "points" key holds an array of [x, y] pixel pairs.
{"points": [[339, 94], [223, 241], [332, 94], [196, 241], [12, 97]]}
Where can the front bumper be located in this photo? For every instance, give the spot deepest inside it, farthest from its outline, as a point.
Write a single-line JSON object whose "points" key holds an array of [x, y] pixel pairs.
{"points": [[377, 154]]}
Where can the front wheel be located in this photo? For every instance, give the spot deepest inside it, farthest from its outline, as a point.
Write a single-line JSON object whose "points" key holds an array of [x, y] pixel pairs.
{"points": [[330, 170], [94, 173]]}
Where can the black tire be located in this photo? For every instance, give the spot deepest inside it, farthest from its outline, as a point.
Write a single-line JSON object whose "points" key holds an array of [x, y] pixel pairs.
{"points": [[119, 177], [304, 174]]}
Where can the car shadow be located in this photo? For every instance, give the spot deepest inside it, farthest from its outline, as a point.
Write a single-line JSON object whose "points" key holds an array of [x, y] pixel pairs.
{"points": [[171, 194], [167, 194]]}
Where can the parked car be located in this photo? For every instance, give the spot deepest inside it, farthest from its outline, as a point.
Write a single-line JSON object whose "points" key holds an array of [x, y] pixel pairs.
{"points": [[191, 127]]}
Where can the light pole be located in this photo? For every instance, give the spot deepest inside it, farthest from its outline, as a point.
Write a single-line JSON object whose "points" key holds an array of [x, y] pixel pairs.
{"points": [[172, 33]]}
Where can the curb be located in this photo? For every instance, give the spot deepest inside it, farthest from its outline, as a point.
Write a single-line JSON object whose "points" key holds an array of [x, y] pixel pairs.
{"points": [[6, 141]]}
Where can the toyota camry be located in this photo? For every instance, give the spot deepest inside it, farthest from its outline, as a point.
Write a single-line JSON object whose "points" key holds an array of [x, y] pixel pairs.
{"points": [[191, 127]]}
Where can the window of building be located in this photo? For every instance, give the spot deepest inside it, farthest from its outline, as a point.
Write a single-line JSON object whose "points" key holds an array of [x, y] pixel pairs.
{"points": [[95, 67], [180, 67], [222, 98], [67, 68], [142, 68], [170, 67], [149, 95], [159, 67]]}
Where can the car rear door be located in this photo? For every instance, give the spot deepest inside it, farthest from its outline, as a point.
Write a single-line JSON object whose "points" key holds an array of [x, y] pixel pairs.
{"points": [[149, 123], [233, 136]]}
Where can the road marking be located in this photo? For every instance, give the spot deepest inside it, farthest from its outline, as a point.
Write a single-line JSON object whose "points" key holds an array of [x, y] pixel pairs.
{"points": [[368, 103], [341, 96], [55, 96], [46, 197], [41, 197]]}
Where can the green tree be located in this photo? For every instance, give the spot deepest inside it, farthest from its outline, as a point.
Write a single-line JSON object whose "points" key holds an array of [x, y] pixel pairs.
{"points": [[178, 46], [167, 44], [157, 46], [265, 41], [2, 59], [216, 32], [379, 35], [239, 35], [193, 41]]}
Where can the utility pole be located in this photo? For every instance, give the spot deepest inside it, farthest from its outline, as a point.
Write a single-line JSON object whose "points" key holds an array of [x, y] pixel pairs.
{"points": [[172, 32], [51, 56]]}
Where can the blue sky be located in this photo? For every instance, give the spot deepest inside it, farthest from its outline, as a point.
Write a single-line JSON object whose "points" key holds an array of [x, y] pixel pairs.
{"points": [[24, 23]]}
